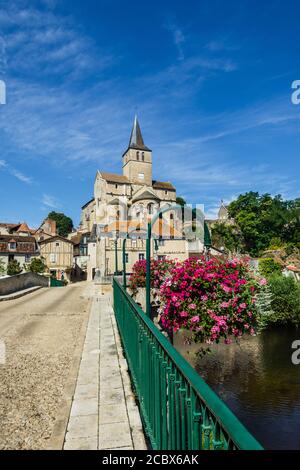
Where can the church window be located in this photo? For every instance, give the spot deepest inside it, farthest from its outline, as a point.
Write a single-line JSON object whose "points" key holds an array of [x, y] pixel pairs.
{"points": [[137, 155], [126, 258], [171, 216], [143, 156], [116, 186], [141, 256], [141, 176], [166, 192]]}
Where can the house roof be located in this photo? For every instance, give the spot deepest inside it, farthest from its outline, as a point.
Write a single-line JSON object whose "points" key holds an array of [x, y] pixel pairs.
{"points": [[23, 228], [160, 228], [114, 178], [293, 268], [55, 237], [17, 238]]}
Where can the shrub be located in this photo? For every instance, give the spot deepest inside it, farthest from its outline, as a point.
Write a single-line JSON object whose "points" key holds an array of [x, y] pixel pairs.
{"points": [[212, 299], [13, 267], [269, 267], [37, 265], [285, 300], [2, 267]]}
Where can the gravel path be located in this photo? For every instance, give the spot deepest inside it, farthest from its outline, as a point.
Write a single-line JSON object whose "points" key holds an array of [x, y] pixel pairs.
{"points": [[41, 331]]}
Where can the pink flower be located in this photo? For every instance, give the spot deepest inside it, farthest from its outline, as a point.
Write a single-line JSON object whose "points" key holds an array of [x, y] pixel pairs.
{"points": [[204, 298], [184, 314], [195, 319], [193, 306], [224, 304], [263, 281], [243, 306]]}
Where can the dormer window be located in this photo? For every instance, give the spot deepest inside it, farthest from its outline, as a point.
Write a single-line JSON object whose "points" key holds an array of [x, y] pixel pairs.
{"points": [[137, 155]]}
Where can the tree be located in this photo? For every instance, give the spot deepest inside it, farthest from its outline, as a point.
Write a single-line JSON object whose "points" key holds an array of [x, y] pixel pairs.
{"points": [[64, 224], [13, 267], [285, 300], [226, 236], [2, 267], [263, 219], [37, 265]]}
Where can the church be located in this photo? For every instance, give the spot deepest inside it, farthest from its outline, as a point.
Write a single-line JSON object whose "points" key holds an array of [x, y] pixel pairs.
{"points": [[122, 204]]}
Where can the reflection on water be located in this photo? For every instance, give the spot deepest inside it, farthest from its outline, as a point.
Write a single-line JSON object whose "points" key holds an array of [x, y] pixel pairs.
{"points": [[258, 381]]}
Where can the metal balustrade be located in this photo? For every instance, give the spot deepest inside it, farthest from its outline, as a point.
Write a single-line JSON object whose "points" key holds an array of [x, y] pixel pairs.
{"points": [[179, 410]]}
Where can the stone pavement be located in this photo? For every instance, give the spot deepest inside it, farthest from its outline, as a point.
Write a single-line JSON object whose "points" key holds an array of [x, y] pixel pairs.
{"points": [[104, 414]]}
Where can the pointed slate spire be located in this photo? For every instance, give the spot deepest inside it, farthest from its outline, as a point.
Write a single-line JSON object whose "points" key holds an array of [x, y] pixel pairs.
{"points": [[136, 139]]}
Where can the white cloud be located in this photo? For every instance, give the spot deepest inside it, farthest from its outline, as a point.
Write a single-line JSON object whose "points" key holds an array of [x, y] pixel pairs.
{"points": [[20, 176], [50, 201]]}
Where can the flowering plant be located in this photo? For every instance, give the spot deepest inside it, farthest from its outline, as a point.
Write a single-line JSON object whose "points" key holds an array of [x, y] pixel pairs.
{"points": [[160, 270], [212, 299]]}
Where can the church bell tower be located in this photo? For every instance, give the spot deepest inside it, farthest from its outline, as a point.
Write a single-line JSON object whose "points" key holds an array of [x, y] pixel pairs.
{"points": [[137, 160]]}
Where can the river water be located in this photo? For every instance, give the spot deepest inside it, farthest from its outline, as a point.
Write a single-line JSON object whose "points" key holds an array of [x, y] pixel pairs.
{"points": [[258, 382]]}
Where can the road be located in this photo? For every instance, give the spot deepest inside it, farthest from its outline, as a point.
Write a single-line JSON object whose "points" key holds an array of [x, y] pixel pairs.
{"points": [[41, 331]]}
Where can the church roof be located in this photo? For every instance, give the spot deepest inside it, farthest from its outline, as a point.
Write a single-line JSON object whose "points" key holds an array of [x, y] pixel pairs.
{"points": [[136, 139], [163, 185], [114, 178]]}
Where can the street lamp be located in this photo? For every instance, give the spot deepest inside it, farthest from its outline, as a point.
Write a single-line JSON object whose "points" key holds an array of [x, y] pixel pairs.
{"points": [[116, 238]]}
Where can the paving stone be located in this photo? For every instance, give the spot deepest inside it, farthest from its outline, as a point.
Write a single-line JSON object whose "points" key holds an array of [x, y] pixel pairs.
{"points": [[114, 435], [87, 391], [82, 426], [89, 443], [112, 413], [84, 406], [111, 397]]}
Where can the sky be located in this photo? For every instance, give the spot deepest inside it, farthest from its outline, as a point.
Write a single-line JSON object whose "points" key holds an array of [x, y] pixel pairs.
{"points": [[209, 80]]}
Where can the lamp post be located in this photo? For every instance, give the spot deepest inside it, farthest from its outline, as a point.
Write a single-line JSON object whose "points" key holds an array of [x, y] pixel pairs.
{"points": [[116, 237]]}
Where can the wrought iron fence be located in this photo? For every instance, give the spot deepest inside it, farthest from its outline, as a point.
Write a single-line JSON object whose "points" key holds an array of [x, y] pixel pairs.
{"points": [[179, 410]]}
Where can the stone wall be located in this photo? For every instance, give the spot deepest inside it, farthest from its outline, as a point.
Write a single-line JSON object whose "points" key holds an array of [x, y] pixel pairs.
{"points": [[11, 284]]}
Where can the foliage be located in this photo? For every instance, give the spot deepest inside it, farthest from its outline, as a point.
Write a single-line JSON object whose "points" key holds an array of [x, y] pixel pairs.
{"points": [[2, 267], [263, 219], [64, 224], [264, 306], [13, 267], [285, 300], [160, 269], [227, 237], [268, 267], [37, 265], [212, 299]]}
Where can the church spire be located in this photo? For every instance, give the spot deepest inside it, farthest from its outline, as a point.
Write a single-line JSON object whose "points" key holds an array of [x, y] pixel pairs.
{"points": [[136, 139]]}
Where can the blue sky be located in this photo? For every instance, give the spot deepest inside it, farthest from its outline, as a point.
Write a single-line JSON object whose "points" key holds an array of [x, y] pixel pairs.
{"points": [[209, 80]]}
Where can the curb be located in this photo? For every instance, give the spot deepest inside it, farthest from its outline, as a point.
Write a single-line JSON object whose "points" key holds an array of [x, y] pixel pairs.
{"points": [[19, 294]]}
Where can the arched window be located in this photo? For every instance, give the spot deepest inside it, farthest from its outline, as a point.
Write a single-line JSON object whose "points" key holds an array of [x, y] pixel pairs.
{"points": [[143, 156], [137, 155], [171, 216]]}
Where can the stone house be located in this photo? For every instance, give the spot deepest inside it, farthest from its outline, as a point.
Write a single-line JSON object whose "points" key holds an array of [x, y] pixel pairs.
{"points": [[58, 253], [17, 243]]}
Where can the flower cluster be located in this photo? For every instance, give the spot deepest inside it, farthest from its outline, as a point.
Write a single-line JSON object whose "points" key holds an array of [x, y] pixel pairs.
{"points": [[213, 299], [160, 270]]}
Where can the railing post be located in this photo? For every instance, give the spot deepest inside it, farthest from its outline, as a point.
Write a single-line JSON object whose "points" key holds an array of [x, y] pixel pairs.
{"points": [[148, 271], [124, 264]]}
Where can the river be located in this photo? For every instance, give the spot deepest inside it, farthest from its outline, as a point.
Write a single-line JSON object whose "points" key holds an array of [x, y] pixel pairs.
{"points": [[258, 382]]}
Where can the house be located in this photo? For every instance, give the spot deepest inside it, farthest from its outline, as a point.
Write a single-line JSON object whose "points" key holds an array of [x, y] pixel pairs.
{"points": [[58, 254], [46, 230], [81, 254], [17, 243]]}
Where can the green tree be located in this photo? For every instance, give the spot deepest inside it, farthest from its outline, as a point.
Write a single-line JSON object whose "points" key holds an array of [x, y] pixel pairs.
{"points": [[13, 267], [226, 236], [2, 267], [269, 267], [64, 224], [263, 218], [285, 300], [37, 265]]}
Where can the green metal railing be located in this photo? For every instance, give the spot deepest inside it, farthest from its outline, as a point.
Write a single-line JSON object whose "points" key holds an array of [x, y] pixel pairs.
{"points": [[179, 410]]}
